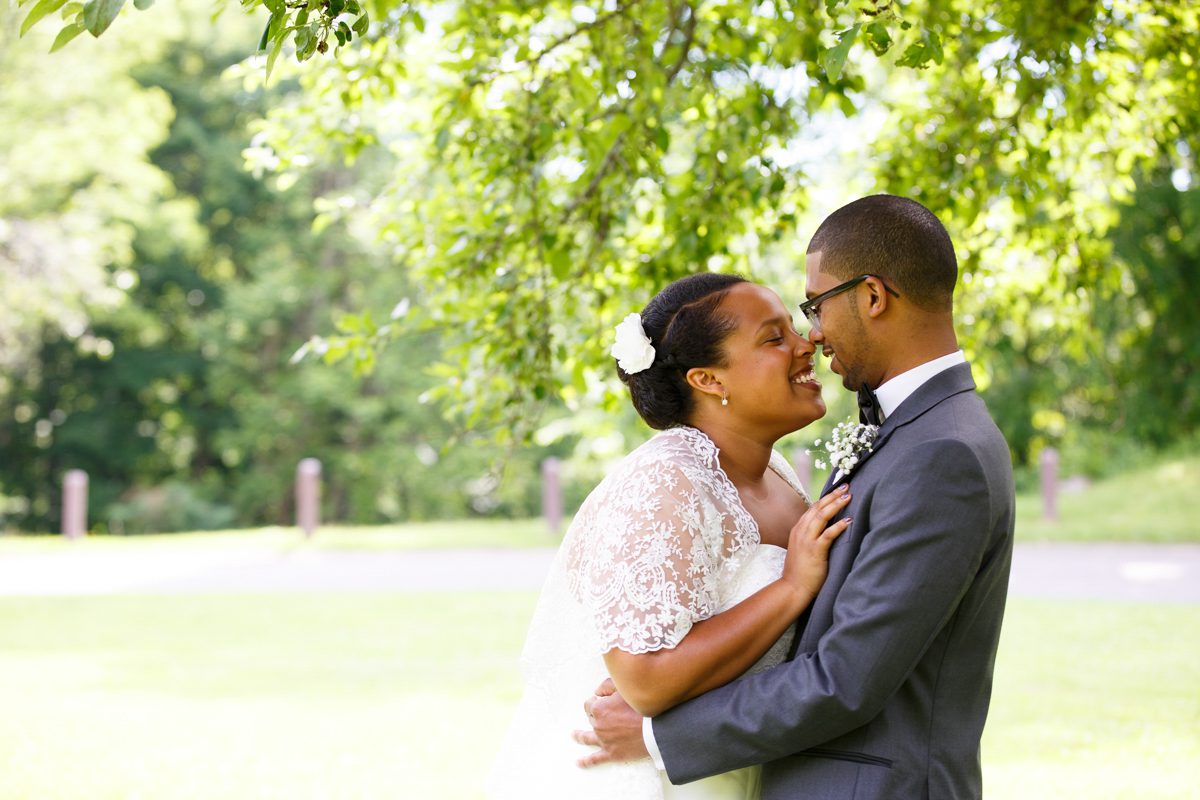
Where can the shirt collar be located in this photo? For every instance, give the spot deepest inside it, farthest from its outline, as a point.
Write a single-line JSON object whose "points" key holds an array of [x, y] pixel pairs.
{"points": [[894, 392]]}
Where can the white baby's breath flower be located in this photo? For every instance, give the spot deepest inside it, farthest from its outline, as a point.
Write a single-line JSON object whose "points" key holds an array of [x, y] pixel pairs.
{"points": [[632, 349], [848, 444]]}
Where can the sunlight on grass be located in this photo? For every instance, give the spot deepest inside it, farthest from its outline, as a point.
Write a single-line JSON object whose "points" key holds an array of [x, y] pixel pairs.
{"points": [[405, 695], [451, 534], [311, 696], [1095, 700]]}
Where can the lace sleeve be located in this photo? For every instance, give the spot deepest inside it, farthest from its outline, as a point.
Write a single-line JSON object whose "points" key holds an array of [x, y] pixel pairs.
{"points": [[651, 548]]}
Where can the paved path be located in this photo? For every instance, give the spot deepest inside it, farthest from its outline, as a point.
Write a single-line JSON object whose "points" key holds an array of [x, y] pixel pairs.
{"points": [[1168, 573]]}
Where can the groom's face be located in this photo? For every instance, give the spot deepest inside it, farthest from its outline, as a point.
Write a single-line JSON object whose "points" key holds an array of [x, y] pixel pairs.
{"points": [[840, 333]]}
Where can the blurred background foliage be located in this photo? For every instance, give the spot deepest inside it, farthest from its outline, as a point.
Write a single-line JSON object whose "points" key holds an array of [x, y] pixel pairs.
{"points": [[403, 256]]}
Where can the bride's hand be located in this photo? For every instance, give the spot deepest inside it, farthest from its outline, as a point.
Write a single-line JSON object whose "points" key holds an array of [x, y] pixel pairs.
{"points": [[808, 546]]}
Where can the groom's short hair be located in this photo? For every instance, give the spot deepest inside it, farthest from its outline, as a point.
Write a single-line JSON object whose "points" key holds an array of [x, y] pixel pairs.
{"points": [[893, 238]]}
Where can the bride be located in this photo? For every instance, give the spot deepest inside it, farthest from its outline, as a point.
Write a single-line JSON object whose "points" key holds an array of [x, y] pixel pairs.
{"points": [[686, 567]]}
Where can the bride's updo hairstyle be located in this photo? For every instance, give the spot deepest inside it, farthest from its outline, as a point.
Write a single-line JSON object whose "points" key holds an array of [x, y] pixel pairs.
{"points": [[687, 331]]}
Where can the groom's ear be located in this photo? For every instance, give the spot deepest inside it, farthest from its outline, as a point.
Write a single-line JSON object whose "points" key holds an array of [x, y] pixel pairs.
{"points": [[703, 380], [877, 298]]}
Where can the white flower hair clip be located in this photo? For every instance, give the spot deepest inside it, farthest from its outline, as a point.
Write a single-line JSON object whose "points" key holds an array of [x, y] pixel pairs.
{"points": [[632, 349]]}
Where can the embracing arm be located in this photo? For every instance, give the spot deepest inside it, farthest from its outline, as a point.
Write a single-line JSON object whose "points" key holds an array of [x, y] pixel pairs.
{"points": [[916, 563], [714, 652], [719, 649]]}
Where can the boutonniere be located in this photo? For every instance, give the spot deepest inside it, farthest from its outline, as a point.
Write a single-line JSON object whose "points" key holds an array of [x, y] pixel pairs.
{"points": [[847, 445]]}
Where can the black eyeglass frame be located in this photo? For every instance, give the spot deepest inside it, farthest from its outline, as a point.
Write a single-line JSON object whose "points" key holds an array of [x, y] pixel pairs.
{"points": [[811, 308]]}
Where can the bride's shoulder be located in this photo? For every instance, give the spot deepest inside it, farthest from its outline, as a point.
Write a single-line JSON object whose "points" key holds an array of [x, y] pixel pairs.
{"points": [[670, 456], [682, 445]]}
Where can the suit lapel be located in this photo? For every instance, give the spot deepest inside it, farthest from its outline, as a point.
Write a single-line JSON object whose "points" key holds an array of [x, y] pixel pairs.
{"points": [[955, 380]]}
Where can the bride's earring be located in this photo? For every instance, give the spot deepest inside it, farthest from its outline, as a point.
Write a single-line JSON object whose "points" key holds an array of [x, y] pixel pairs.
{"points": [[724, 399]]}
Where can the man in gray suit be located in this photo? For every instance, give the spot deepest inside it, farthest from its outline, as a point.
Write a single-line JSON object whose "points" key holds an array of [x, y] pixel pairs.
{"points": [[888, 690]]}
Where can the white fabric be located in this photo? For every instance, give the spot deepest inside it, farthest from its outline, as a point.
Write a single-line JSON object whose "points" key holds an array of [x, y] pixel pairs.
{"points": [[651, 743], [894, 392], [663, 542]]}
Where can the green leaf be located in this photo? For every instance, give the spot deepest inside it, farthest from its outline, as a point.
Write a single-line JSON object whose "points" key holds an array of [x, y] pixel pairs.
{"points": [[662, 138], [306, 44], [878, 37], [560, 263], [834, 58], [142, 5], [67, 34], [918, 54], [99, 14], [274, 54], [360, 25], [335, 7], [39, 11]]}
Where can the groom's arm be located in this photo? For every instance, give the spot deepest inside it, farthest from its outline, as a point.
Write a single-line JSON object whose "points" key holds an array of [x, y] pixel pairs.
{"points": [[929, 531]]}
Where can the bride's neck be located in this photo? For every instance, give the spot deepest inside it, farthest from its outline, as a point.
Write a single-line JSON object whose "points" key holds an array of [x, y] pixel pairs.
{"points": [[745, 459]]}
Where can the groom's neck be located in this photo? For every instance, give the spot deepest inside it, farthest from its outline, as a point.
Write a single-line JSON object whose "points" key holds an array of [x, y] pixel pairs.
{"points": [[916, 345]]}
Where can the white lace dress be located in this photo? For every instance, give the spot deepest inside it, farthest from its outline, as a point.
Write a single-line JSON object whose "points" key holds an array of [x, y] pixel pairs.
{"points": [[663, 542]]}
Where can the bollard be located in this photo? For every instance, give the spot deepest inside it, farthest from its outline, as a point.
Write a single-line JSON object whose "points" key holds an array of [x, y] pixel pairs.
{"points": [[308, 495], [74, 504], [802, 463], [552, 502], [1049, 469]]}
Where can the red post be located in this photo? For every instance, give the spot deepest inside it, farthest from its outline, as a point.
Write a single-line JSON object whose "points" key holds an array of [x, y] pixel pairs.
{"points": [[74, 504], [552, 502], [1049, 471], [308, 495]]}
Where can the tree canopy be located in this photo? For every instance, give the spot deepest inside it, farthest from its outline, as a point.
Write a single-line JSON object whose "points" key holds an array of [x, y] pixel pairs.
{"points": [[154, 293], [537, 169]]}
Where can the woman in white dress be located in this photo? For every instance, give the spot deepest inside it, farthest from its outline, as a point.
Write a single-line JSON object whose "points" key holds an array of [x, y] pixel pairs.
{"points": [[690, 562]]}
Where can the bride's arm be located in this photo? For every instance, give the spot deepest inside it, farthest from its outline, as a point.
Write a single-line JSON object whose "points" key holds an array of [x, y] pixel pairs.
{"points": [[719, 649]]}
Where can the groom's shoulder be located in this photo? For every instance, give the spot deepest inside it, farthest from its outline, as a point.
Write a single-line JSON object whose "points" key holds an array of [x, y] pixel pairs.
{"points": [[963, 422], [961, 417]]}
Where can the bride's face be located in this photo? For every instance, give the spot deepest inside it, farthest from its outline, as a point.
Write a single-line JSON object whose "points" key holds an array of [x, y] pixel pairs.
{"points": [[769, 366]]}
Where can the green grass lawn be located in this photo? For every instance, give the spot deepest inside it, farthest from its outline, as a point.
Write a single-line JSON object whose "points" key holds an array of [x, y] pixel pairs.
{"points": [[405, 695], [1160, 503], [484, 533], [267, 696]]}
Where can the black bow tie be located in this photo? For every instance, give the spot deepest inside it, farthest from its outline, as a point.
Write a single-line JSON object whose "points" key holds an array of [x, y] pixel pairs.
{"points": [[869, 411]]}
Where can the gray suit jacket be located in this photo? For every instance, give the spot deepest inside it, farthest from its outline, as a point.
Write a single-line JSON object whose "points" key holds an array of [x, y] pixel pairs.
{"points": [[888, 691]]}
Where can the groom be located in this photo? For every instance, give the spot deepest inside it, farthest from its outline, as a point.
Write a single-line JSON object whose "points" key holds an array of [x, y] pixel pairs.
{"points": [[888, 690]]}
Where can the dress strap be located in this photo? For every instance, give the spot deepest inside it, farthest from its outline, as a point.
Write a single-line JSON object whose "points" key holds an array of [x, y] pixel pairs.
{"points": [[784, 469]]}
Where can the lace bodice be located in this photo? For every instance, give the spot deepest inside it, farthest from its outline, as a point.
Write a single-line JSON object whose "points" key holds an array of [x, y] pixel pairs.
{"points": [[661, 543], [656, 545]]}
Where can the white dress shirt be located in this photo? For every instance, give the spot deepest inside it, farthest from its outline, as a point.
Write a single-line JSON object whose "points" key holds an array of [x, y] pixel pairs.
{"points": [[890, 395]]}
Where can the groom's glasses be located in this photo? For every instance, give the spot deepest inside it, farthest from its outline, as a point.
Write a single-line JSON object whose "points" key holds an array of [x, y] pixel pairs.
{"points": [[811, 309]]}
